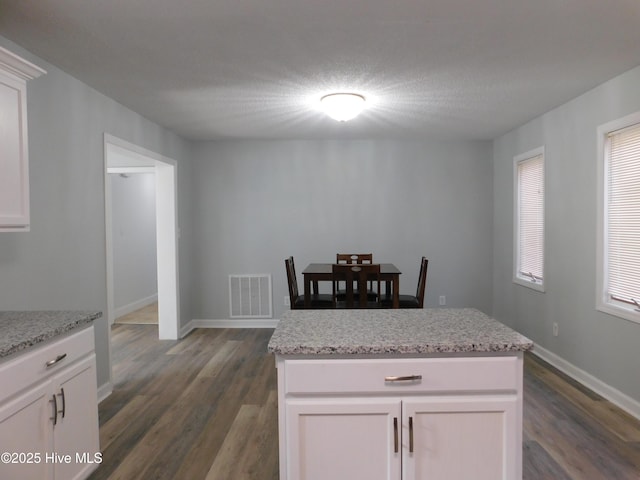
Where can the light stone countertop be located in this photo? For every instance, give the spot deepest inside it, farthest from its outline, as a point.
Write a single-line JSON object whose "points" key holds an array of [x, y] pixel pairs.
{"points": [[393, 331], [21, 330]]}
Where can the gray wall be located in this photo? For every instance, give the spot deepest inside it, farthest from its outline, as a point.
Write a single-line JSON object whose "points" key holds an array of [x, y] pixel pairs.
{"points": [[257, 202], [602, 345], [244, 206], [133, 210], [60, 264]]}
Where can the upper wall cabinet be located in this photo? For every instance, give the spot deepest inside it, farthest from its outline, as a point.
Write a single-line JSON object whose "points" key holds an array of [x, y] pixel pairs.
{"points": [[14, 158]]}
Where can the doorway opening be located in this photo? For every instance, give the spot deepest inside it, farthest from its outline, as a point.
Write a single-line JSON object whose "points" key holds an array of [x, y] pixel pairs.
{"points": [[124, 157], [133, 227]]}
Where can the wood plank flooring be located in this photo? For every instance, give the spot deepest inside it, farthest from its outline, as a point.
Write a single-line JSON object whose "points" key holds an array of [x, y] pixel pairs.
{"points": [[205, 408], [572, 433], [144, 315]]}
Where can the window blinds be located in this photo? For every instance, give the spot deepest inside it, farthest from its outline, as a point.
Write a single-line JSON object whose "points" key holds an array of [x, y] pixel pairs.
{"points": [[531, 218], [623, 214]]}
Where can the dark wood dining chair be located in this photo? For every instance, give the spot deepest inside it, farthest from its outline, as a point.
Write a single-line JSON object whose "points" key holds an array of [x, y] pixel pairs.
{"points": [[411, 301], [318, 300], [357, 259], [356, 278]]}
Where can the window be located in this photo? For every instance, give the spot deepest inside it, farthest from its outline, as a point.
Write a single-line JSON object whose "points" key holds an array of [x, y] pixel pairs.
{"points": [[619, 218], [529, 219]]}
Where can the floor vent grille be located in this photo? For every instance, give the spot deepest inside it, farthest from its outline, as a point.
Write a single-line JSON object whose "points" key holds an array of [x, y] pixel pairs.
{"points": [[250, 296]]}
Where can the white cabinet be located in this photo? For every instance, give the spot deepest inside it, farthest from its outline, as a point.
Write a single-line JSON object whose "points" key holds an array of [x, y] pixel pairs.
{"points": [[23, 430], [390, 419], [342, 439], [76, 430], [14, 157], [460, 437], [49, 415]]}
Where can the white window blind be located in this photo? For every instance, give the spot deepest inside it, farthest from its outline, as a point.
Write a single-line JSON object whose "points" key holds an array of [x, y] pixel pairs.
{"points": [[622, 157], [530, 219]]}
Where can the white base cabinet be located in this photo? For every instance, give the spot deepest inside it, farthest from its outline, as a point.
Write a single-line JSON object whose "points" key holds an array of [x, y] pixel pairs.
{"points": [[343, 439], [23, 431], [49, 415], [454, 418], [460, 438]]}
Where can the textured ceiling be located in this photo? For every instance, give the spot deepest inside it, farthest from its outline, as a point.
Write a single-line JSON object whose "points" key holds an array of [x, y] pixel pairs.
{"points": [[213, 69]]}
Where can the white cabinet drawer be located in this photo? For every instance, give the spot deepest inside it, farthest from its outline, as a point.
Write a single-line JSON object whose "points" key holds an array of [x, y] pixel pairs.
{"points": [[454, 374], [30, 367]]}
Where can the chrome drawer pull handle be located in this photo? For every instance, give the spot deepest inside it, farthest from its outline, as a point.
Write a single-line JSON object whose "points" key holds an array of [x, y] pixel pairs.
{"points": [[64, 402], [406, 378], [410, 434], [55, 410], [51, 363], [395, 434]]}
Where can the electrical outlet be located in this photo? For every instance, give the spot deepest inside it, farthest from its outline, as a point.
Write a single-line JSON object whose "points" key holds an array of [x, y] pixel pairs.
{"points": [[555, 329], [443, 300], [287, 301]]}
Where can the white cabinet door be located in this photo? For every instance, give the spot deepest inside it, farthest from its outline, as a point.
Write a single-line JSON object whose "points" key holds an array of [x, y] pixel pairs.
{"points": [[76, 430], [343, 439], [14, 158], [461, 438], [25, 429], [14, 182]]}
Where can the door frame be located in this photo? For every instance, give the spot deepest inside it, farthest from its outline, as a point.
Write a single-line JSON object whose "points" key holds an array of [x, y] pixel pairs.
{"points": [[167, 232]]}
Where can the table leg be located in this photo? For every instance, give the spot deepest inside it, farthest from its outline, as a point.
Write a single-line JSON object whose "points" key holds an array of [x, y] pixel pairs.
{"points": [[307, 293], [396, 291]]}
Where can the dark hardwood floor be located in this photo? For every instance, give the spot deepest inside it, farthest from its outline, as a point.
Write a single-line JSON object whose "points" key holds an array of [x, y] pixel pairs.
{"points": [[571, 432], [205, 407]]}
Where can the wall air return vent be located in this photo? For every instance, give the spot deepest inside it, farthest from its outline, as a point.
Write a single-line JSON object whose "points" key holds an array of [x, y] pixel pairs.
{"points": [[250, 296]]}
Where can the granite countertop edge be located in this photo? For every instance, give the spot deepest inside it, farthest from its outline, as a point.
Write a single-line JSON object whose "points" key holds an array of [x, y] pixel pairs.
{"points": [[393, 332], [412, 350], [21, 330]]}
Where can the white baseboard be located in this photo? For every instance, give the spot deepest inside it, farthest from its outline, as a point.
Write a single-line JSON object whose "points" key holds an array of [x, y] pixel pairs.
{"points": [[615, 396], [231, 323], [104, 391], [133, 306], [186, 330]]}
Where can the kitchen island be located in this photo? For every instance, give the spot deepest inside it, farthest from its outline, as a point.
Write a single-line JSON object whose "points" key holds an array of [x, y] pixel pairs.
{"points": [[48, 402], [398, 394]]}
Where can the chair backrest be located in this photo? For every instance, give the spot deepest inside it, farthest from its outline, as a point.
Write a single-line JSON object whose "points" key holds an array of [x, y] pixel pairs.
{"points": [[422, 281], [360, 274], [291, 279], [357, 258]]}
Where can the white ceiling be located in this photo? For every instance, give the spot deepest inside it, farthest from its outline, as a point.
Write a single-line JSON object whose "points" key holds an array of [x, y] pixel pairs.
{"points": [[213, 69]]}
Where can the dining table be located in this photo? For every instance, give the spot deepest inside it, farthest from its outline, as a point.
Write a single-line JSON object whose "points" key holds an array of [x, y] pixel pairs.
{"points": [[323, 272]]}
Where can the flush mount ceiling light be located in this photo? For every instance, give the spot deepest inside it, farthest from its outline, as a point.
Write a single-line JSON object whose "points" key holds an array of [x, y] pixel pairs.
{"points": [[342, 106]]}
